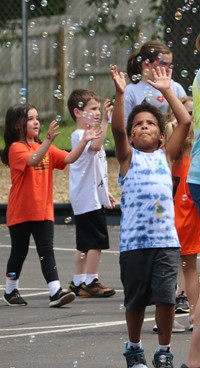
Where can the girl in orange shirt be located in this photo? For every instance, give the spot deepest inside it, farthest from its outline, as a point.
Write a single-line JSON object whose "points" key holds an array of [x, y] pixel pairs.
{"points": [[187, 220], [30, 202]]}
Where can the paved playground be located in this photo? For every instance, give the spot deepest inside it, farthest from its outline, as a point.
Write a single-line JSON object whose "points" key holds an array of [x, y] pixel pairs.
{"points": [[87, 333]]}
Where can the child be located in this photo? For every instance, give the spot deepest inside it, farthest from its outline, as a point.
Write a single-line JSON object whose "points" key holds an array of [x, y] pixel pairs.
{"points": [[30, 203], [139, 69], [88, 189], [187, 221], [149, 246], [193, 358], [193, 179]]}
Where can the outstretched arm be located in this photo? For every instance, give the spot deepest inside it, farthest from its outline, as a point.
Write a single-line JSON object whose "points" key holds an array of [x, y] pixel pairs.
{"points": [[123, 149], [89, 134], [107, 110], [162, 79], [38, 155]]}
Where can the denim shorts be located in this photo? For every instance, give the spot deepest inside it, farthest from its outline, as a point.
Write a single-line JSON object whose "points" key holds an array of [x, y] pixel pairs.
{"points": [[195, 194], [149, 276]]}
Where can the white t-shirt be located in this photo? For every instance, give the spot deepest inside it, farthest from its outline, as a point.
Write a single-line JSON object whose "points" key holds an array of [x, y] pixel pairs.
{"points": [[135, 94], [88, 178]]}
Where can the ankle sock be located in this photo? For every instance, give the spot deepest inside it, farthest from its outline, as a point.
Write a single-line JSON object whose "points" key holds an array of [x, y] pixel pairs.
{"points": [[53, 286], [11, 285], [91, 277], [135, 345], [79, 279]]}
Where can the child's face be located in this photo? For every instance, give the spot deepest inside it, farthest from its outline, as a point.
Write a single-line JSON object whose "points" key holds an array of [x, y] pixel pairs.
{"points": [[91, 113], [33, 125], [145, 132]]}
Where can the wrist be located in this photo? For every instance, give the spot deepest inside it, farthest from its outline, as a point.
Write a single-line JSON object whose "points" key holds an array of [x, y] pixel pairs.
{"points": [[48, 136]]}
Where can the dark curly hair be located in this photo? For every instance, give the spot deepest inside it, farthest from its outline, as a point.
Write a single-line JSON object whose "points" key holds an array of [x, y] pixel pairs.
{"points": [[146, 107]]}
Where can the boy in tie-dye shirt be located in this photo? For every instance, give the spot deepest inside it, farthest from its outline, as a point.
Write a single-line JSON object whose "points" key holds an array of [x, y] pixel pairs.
{"points": [[149, 246]]}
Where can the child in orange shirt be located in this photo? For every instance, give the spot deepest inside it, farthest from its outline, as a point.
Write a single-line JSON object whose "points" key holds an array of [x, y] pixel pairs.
{"points": [[187, 220], [30, 203]]}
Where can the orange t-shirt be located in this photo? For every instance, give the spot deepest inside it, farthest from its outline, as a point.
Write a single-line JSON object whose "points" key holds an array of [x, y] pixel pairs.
{"points": [[31, 194], [187, 220]]}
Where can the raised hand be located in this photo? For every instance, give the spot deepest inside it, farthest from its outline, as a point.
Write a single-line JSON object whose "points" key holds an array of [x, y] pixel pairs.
{"points": [[107, 110], [162, 78], [92, 132], [53, 131], [119, 79]]}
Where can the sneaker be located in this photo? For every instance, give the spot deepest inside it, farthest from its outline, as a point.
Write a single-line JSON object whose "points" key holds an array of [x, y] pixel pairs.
{"points": [[182, 305], [163, 359], [95, 290], [177, 327], [61, 298], [135, 358], [73, 288], [14, 299]]}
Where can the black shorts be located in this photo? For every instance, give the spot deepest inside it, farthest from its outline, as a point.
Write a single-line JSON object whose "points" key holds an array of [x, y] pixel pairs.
{"points": [[149, 276], [91, 231]]}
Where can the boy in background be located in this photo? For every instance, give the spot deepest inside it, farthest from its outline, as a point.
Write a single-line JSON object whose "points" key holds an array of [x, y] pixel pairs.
{"points": [[88, 189]]}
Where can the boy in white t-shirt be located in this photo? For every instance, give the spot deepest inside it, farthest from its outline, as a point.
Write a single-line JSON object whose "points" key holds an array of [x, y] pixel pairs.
{"points": [[88, 189]]}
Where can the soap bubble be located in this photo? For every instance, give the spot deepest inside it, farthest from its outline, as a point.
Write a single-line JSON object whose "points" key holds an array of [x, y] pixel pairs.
{"points": [[184, 41], [184, 73]]}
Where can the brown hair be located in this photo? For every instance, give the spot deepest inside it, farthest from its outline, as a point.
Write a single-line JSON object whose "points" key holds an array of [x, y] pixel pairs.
{"points": [[79, 99], [149, 51], [171, 124]]}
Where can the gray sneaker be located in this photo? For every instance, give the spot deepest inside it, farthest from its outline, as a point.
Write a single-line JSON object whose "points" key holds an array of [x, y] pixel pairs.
{"points": [[135, 358], [163, 359]]}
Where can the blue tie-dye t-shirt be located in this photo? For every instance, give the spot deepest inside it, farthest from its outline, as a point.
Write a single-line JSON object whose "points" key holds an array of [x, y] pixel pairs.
{"points": [[147, 219]]}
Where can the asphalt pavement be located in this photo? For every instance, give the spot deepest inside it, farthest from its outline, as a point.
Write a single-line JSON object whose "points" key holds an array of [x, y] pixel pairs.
{"points": [[87, 333]]}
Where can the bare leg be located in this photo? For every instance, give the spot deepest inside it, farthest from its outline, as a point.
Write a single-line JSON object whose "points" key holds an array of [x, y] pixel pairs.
{"points": [[80, 263], [164, 319], [92, 261], [134, 320], [181, 280], [193, 360], [189, 266]]}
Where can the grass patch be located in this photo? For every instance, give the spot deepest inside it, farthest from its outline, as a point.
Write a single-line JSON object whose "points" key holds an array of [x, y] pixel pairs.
{"points": [[63, 141]]}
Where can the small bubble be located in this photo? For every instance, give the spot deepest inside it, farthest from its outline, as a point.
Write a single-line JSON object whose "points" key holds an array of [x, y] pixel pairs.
{"points": [[44, 3], [189, 30], [32, 7], [80, 104], [82, 256], [194, 10], [170, 44], [178, 15], [91, 78], [168, 30], [67, 220], [86, 52], [87, 67], [92, 33], [45, 34], [136, 45], [32, 338], [184, 264], [184, 197], [103, 54], [184, 41], [58, 118]]}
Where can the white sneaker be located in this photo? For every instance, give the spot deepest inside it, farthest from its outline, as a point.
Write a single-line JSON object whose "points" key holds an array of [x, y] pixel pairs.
{"points": [[177, 327]]}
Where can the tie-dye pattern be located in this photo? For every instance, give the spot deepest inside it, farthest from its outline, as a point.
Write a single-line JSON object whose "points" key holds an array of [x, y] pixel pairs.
{"points": [[147, 219]]}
